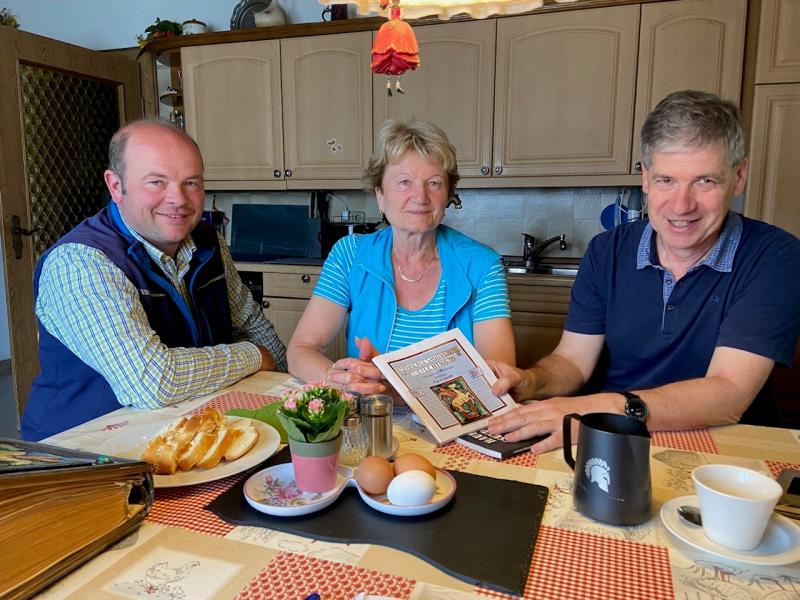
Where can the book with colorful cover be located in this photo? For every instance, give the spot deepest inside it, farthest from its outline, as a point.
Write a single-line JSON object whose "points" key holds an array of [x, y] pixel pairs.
{"points": [[446, 383], [495, 445]]}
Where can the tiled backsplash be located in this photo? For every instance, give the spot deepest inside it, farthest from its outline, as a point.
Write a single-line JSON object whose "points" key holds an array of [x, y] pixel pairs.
{"points": [[498, 218]]}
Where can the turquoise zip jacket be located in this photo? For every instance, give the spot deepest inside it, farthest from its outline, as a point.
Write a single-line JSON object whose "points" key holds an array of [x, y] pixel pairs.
{"points": [[373, 309]]}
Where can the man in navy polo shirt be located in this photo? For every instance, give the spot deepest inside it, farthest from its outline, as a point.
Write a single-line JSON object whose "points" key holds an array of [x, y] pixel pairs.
{"points": [[678, 320]]}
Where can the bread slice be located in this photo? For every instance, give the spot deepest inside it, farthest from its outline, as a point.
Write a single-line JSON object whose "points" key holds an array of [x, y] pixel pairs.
{"points": [[166, 459], [196, 450], [217, 450], [244, 437]]}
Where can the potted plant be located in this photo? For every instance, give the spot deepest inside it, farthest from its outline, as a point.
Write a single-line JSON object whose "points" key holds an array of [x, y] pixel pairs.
{"points": [[312, 417]]}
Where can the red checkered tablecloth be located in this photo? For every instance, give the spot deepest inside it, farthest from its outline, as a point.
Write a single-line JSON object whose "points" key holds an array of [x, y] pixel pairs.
{"points": [[775, 467], [287, 574], [225, 402], [454, 449], [697, 440]]}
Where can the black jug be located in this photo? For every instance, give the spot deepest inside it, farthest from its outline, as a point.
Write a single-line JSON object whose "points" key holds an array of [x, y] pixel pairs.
{"points": [[612, 467]]}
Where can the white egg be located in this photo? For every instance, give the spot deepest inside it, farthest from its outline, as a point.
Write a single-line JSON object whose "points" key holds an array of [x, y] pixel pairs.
{"points": [[411, 488]]}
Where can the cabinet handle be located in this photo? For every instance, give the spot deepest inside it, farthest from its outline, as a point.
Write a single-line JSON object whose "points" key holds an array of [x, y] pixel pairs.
{"points": [[276, 173], [485, 170], [498, 170], [288, 172], [305, 278], [637, 166], [265, 304]]}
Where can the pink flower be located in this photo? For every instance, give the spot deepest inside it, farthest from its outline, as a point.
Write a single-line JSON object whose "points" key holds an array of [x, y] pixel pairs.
{"points": [[290, 403], [315, 405]]}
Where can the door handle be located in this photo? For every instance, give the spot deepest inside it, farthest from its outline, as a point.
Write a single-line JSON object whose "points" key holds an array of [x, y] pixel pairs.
{"points": [[17, 231]]}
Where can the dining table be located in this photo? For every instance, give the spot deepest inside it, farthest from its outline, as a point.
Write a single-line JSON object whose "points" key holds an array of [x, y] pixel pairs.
{"points": [[184, 551]]}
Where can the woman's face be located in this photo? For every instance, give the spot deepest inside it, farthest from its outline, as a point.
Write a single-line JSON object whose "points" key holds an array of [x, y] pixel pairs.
{"points": [[413, 193]]}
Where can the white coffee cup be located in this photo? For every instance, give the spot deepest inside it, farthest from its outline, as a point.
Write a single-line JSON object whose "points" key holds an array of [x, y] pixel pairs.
{"points": [[736, 504]]}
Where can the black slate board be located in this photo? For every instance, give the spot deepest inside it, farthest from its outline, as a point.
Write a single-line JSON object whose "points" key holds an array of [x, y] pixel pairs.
{"points": [[484, 536]]}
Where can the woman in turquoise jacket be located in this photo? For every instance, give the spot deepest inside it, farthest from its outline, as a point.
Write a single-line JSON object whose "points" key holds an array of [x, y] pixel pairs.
{"points": [[408, 281]]}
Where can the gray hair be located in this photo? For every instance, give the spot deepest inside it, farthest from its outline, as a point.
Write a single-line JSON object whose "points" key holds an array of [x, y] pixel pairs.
{"points": [[692, 119], [119, 142], [396, 138]]}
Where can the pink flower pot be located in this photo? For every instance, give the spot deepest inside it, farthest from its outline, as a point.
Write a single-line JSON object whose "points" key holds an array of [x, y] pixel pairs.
{"points": [[315, 464]]}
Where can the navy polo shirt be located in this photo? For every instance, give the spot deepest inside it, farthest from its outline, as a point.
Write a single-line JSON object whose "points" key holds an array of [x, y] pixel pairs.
{"points": [[745, 295]]}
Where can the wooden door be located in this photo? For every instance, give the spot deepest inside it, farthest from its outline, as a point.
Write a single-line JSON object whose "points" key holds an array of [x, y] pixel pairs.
{"points": [[327, 107], [773, 191], [690, 44], [779, 42], [452, 89], [232, 99], [564, 93], [59, 107]]}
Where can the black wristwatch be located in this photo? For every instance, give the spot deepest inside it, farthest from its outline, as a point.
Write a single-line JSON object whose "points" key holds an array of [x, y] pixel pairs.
{"points": [[635, 407]]}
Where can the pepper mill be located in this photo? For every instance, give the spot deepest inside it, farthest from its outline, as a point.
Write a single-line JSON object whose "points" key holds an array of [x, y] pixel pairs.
{"points": [[376, 416]]}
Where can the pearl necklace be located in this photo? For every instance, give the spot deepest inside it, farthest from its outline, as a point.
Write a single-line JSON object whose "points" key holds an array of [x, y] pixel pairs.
{"points": [[408, 279]]}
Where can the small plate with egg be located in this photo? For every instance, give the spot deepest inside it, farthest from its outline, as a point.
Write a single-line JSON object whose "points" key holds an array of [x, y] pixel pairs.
{"points": [[410, 486]]}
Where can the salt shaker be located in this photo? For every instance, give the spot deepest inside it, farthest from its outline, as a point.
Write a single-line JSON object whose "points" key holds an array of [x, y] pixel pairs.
{"points": [[376, 414], [354, 442]]}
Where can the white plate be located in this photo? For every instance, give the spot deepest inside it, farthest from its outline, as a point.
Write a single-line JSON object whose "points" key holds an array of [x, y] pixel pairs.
{"points": [[273, 491], [780, 545], [445, 489], [132, 441]]}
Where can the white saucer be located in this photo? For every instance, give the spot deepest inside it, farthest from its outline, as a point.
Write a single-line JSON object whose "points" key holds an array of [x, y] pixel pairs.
{"points": [[780, 545]]}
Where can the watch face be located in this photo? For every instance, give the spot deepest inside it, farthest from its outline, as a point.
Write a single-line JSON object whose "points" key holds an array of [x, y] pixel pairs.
{"points": [[635, 407]]}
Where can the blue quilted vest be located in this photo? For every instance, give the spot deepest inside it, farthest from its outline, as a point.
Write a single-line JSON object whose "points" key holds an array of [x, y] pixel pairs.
{"points": [[67, 391]]}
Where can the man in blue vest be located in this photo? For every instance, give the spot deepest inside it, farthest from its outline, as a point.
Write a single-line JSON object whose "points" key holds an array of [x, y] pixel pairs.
{"points": [[140, 305], [676, 321]]}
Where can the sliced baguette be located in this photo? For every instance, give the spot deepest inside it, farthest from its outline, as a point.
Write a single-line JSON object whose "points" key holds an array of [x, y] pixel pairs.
{"points": [[244, 437], [196, 450], [217, 450], [166, 459]]}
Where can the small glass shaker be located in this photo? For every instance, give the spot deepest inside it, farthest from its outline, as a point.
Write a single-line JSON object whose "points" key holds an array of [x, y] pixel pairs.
{"points": [[354, 442], [376, 411]]}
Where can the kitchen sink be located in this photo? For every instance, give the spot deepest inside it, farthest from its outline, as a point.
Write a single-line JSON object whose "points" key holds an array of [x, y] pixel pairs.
{"points": [[516, 266]]}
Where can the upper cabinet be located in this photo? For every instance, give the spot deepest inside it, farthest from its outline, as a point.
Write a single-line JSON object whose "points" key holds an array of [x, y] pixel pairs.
{"points": [[564, 92], [454, 88], [327, 106], [232, 97], [277, 114], [779, 42], [689, 44]]}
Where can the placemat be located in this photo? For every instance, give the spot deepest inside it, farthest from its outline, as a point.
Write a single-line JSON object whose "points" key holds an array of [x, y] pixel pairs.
{"points": [[485, 535]]}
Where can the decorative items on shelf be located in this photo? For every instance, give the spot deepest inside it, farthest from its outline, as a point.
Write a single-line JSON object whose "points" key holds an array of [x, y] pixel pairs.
{"points": [[171, 97], [7, 19], [159, 29], [271, 15], [312, 417], [193, 26], [257, 13]]}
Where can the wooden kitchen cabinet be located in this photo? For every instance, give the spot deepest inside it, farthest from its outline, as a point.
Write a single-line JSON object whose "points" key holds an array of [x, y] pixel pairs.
{"points": [[779, 42], [538, 311], [287, 289], [232, 98], [454, 89], [688, 44], [327, 106], [564, 92], [275, 114], [773, 191]]}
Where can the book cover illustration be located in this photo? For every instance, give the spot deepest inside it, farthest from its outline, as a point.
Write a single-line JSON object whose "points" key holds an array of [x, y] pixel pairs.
{"points": [[16, 457], [446, 383]]}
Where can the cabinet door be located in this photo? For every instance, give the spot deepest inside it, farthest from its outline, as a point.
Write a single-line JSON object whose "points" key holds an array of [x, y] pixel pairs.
{"points": [[233, 109], [453, 89], [691, 44], [327, 105], [285, 313], [773, 193], [779, 42], [535, 335], [564, 93]]}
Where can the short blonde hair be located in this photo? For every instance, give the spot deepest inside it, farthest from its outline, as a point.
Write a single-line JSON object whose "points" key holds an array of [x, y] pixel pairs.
{"points": [[396, 138]]}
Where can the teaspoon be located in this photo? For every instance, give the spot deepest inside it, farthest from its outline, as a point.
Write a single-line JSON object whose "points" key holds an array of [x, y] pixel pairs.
{"points": [[691, 515]]}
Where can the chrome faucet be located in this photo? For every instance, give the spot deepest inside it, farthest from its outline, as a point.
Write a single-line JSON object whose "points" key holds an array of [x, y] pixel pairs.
{"points": [[531, 249]]}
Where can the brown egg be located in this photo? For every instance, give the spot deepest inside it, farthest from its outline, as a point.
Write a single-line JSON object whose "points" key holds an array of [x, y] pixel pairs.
{"points": [[409, 462], [373, 474]]}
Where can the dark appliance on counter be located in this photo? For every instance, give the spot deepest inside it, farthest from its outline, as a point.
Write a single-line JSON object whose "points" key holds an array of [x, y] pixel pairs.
{"points": [[333, 231], [254, 280], [275, 232]]}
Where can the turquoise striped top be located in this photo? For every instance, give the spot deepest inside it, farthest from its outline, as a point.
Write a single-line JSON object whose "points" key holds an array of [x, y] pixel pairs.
{"points": [[410, 326]]}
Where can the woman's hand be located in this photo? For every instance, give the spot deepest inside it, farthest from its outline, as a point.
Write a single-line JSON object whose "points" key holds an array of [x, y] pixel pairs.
{"points": [[357, 374]]}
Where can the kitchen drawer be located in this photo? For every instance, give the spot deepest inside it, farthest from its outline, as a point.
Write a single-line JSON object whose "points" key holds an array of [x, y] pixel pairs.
{"points": [[291, 281]]}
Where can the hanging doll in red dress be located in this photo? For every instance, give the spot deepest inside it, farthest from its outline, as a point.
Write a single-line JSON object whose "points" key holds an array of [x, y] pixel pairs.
{"points": [[395, 50]]}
